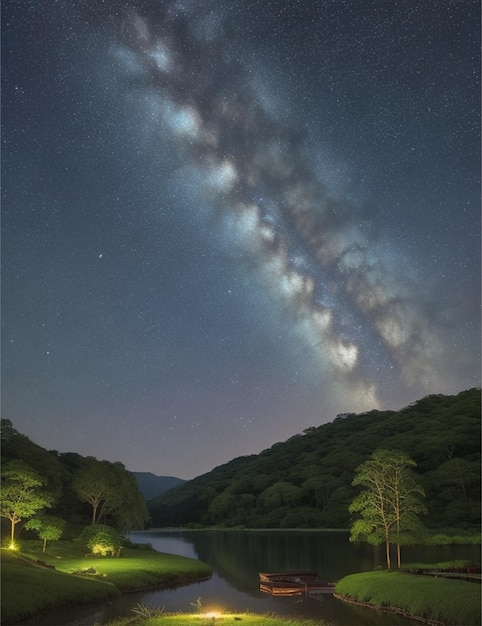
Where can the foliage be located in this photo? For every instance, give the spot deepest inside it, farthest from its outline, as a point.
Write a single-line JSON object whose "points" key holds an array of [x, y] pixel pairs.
{"points": [[390, 502], [101, 540], [48, 527], [21, 495], [452, 602], [440, 433], [16, 446], [311, 474], [111, 491], [144, 610]]}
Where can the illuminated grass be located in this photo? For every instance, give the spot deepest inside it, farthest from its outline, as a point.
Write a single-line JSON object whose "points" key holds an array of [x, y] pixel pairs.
{"points": [[134, 570], [28, 589], [228, 619], [453, 602]]}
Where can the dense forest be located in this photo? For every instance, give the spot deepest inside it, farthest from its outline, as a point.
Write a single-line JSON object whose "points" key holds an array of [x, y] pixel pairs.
{"points": [[79, 490], [306, 482]]}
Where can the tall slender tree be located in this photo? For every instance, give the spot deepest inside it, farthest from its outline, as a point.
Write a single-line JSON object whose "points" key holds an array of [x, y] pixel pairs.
{"points": [[389, 504]]}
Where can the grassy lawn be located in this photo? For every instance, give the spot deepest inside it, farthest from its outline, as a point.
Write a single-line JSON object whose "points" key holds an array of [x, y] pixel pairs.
{"points": [[28, 588], [238, 619], [453, 602], [134, 570]]}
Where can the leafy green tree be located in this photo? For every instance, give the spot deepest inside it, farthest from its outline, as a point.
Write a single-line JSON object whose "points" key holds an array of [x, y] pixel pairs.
{"points": [[92, 484], [130, 510], [48, 528], [389, 504], [21, 495], [279, 494], [111, 491]]}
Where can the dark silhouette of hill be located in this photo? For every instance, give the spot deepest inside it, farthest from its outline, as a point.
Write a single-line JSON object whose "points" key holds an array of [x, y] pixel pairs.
{"points": [[152, 486], [306, 481]]}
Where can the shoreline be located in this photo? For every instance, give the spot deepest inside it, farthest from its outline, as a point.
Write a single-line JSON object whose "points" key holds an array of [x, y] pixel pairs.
{"points": [[388, 609]]}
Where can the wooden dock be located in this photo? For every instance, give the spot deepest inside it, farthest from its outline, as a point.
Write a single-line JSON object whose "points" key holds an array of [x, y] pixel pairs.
{"points": [[293, 583]]}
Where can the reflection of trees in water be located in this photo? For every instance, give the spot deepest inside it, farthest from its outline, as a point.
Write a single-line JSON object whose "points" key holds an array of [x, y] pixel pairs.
{"points": [[238, 556]]}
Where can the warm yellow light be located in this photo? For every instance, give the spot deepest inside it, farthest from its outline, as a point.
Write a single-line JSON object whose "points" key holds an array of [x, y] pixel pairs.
{"points": [[212, 614], [12, 546]]}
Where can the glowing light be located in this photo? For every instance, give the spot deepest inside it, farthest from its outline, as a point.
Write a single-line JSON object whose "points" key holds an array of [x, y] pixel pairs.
{"points": [[13, 546], [213, 614]]}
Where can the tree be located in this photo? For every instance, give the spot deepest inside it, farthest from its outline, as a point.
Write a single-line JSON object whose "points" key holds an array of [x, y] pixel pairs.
{"points": [[390, 503], [91, 483], [21, 495], [111, 491], [48, 528]]}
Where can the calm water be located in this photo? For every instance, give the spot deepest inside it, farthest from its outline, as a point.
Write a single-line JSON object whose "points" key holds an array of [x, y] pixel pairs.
{"points": [[238, 556]]}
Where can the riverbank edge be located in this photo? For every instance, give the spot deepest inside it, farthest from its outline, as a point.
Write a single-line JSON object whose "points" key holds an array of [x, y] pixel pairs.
{"points": [[388, 609], [176, 580], [361, 588]]}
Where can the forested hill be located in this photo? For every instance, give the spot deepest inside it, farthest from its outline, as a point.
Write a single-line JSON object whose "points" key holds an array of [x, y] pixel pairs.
{"points": [[151, 485], [305, 482]]}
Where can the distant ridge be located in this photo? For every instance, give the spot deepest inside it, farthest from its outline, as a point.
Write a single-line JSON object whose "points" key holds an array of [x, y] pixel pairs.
{"points": [[152, 486]]}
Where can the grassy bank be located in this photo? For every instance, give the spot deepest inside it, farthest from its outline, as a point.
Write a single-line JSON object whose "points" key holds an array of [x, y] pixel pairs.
{"points": [[28, 589], [30, 586], [245, 619], [452, 602]]}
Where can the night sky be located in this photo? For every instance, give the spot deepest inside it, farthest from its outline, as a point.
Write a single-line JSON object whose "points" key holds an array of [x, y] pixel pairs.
{"points": [[224, 222]]}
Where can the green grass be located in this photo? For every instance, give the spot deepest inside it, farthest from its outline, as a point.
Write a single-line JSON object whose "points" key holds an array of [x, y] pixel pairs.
{"points": [[461, 564], [135, 570], [453, 602], [28, 587], [237, 619]]}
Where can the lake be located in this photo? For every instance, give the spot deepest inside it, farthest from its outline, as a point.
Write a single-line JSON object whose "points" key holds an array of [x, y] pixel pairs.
{"points": [[238, 556]]}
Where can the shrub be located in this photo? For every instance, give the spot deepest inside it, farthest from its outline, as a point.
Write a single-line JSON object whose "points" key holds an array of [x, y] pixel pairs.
{"points": [[102, 540]]}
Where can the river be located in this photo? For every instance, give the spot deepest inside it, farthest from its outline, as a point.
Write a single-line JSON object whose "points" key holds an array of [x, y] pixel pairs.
{"points": [[238, 556]]}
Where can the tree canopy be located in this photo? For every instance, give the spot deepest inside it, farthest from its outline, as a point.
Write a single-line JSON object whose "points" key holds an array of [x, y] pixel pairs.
{"points": [[21, 495], [440, 433], [389, 503], [75, 488]]}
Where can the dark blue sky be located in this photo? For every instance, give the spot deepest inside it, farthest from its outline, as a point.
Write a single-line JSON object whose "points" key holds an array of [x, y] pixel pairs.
{"points": [[226, 222]]}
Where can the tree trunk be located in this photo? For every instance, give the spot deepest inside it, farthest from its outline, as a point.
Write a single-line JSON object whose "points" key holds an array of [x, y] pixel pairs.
{"points": [[387, 547], [399, 559]]}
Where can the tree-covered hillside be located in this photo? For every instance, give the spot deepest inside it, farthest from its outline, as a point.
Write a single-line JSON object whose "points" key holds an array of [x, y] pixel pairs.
{"points": [[152, 486], [79, 490], [306, 482]]}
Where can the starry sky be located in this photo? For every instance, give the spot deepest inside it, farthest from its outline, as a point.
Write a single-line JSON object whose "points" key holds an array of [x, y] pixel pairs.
{"points": [[224, 222]]}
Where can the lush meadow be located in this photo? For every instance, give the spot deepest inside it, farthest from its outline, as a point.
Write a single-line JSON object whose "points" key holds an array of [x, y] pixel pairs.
{"points": [[452, 602], [31, 586]]}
